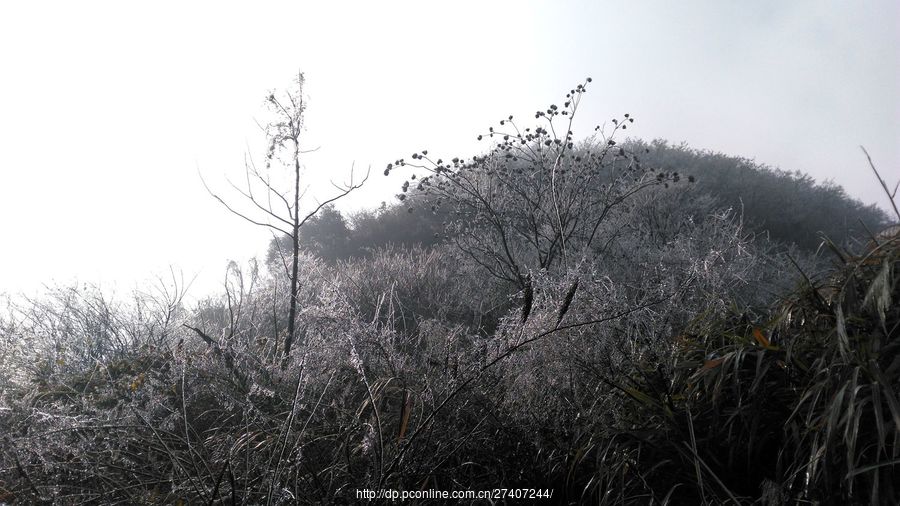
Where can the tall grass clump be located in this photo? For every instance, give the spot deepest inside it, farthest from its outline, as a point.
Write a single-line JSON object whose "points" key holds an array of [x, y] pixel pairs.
{"points": [[798, 407]]}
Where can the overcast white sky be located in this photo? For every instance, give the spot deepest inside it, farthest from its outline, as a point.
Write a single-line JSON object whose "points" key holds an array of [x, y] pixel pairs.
{"points": [[107, 109]]}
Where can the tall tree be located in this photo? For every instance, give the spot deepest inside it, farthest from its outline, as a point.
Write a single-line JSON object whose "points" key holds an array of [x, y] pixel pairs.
{"points": [[283, 133]]}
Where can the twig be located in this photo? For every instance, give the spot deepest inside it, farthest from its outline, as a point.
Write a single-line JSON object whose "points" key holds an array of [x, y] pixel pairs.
{"points": [[21, 469], [884, 185], [215, 492], [172, 456], [512, 349]]}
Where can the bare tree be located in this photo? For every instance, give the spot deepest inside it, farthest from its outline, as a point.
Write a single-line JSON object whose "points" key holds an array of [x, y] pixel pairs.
{"points": [[276, 209], [536, 200]]}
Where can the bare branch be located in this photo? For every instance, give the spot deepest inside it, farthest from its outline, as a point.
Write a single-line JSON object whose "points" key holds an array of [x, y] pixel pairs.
{"points": [[230, 209], [884, 185], [344, 192], [249, 196]]}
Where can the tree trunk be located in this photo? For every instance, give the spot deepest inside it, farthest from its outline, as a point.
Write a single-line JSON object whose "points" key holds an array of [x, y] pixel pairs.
{"points": [[295, 255]]}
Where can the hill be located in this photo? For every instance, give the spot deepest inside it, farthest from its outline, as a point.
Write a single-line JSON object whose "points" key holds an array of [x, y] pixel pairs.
{"points": [[789, 208]]}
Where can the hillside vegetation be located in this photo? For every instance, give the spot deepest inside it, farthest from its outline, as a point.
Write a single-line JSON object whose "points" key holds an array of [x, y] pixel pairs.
{"points": [[603, 322], [786, 208]]}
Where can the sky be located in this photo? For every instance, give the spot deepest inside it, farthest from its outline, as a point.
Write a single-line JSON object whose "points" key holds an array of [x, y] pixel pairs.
{"points": [[110, 112]]}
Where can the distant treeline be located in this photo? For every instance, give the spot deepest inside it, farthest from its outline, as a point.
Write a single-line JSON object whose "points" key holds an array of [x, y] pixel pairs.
{"points": [[788, 208]]}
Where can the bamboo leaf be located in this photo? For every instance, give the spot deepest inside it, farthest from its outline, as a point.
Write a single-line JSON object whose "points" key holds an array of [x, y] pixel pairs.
{"points": [[712, 364], [879, 416], [879, 292], [872, 467], [641, 396], [841, 326], [890, 396], [760, 338]]}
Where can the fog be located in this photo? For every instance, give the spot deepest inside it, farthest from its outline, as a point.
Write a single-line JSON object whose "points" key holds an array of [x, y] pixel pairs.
{"points": [[110, 112]]}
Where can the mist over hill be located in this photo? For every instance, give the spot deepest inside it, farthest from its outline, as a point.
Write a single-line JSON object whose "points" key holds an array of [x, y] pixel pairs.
{"points": [[786, 208]]}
